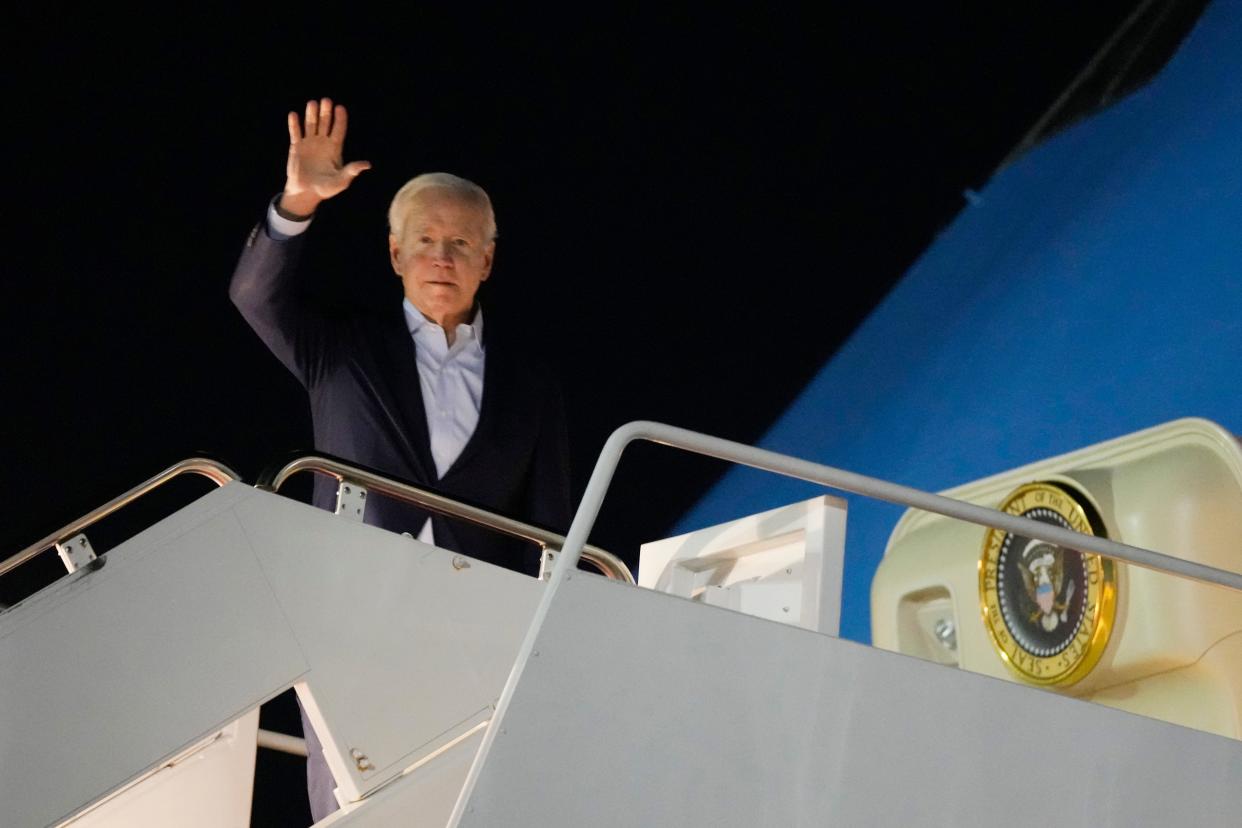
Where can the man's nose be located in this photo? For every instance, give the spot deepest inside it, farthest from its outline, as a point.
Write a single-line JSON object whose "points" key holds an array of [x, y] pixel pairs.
{"points": [[444, 253]]}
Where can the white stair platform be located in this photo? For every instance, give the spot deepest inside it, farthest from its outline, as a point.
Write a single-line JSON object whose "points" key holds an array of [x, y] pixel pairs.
{"points": [[635, 708], [646, 709]]}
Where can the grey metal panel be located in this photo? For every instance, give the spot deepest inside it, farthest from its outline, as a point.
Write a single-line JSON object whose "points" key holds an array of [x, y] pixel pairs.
{"points": [[639, 708], [424, 797], [108, 672], [209, 785], [409, 645]]}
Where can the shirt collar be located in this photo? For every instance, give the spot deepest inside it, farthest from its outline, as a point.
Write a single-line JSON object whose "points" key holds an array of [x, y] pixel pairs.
{"points": [[415, 321]]}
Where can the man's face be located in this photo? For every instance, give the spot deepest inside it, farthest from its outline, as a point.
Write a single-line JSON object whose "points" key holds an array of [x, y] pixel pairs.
{"points": [[443, 255]]}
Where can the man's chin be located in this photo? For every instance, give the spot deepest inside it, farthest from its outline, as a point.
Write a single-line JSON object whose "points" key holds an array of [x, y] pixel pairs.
{"points": [[440, 306]]}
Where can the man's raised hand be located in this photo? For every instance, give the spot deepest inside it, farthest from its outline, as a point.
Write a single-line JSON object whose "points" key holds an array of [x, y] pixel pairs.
{"points": [[315, 172]]}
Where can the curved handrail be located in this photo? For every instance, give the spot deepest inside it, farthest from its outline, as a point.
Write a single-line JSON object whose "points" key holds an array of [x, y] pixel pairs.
{"points": [[213, 470], [603, 560], [848, 481], [742, 454]]}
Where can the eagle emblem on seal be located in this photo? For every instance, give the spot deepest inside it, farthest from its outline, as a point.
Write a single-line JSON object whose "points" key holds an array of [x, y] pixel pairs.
{"points": [[1044, 578], [1048, 610]]}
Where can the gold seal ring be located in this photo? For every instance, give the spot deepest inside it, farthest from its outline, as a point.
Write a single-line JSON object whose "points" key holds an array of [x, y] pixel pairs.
{"points": [[1048, 610]]}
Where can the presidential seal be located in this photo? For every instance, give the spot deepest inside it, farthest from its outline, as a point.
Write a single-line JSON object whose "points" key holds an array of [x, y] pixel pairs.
{"points": [[1048, 610]]}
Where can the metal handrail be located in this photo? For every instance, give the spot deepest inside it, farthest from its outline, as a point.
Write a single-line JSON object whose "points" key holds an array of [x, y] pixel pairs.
{"points": [[603, 560], [773, 461], [283, 742], [213, 470]]}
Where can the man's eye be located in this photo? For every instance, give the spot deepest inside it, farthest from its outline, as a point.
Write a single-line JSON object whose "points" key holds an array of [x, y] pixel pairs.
{"points": [[425, 239], [461, 242]]}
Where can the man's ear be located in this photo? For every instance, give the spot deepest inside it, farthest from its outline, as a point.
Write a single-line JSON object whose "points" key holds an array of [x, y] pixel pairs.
{"points": [[489, 254], [394, 253]]}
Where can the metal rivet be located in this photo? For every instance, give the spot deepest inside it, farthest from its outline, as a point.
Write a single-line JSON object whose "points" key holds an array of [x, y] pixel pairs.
{"points": [[460, 563], [360, 760]]}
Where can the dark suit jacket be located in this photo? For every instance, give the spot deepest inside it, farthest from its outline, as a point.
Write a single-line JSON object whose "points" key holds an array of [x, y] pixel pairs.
{"points": [[360, 372]]}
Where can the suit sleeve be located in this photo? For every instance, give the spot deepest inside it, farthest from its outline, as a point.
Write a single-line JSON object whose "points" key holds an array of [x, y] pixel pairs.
{"points": [[266, 291]]}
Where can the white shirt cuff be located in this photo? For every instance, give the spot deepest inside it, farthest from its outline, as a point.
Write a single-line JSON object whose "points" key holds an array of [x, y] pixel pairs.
{"points": [[281, 228]]}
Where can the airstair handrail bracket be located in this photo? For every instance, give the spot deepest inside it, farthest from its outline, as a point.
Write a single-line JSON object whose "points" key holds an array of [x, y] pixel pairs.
{"points": [[213, 470], [848, 481], [606, 562]]}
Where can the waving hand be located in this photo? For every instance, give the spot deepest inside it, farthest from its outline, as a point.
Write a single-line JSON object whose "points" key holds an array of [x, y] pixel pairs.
{"points": [[314, 172]]}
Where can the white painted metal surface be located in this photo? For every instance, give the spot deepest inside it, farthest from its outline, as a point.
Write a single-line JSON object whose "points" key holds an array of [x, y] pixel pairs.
{"points": [[408, 645], [736, 721], [397, 648], [784, 564], [601, 477], [423, 797], [208, 786], [400, 650], [111, 672]]}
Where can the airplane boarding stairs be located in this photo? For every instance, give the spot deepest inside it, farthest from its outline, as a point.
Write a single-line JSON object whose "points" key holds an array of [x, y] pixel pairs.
{"points": [[451, 692]]}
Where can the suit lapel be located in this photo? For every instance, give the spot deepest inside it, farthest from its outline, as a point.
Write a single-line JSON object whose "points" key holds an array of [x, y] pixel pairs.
{"points": [[398, 385], [498, 377]]}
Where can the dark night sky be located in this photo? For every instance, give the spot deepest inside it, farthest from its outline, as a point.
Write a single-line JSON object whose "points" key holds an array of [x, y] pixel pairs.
{"points": [[695, 210]]}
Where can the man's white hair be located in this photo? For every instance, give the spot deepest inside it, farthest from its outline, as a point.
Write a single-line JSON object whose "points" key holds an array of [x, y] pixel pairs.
{"points": [[467, 191]]}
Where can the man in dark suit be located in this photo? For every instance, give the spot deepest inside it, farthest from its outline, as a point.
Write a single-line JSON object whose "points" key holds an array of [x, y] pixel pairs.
{"points": [[414, 390]]}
